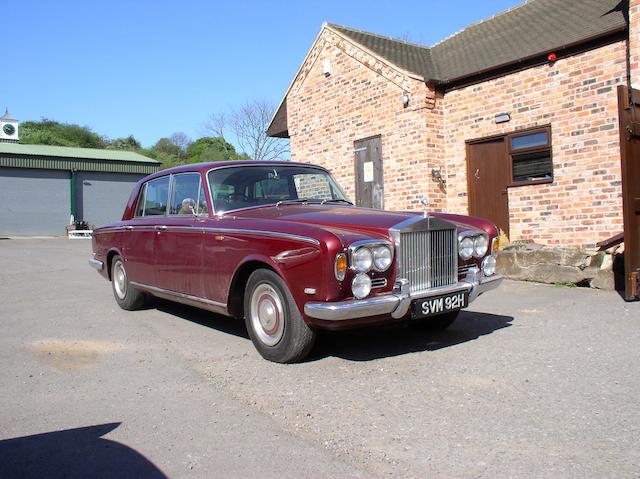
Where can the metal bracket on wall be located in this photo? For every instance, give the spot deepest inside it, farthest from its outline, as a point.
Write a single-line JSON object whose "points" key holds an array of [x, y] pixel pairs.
{"points": [[633, 130]]}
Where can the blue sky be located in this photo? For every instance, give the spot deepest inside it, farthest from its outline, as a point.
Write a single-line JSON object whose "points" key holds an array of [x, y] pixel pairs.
{"points": [[150, 68]]}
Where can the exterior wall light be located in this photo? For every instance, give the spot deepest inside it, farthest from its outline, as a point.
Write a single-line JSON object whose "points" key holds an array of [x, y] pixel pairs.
{"points": [[503, 117], [405, 99], [326, 68]]}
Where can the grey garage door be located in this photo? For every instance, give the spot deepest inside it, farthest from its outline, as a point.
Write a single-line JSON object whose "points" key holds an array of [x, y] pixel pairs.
{"points": [[33, 202], [102, 197]]}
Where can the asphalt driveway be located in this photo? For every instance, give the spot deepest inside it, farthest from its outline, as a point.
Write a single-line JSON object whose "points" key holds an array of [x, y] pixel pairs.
{"points": [[532, 381]]}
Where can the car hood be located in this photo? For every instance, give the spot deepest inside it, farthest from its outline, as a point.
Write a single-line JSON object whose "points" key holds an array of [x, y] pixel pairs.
{"points": [[351, 218]]}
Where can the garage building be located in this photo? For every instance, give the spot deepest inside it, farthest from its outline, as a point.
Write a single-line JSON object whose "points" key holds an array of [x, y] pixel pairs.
{"points": [[41, 186]]}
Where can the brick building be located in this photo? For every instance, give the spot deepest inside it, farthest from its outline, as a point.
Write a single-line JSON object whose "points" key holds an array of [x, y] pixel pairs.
{"points": [[514, 118]]}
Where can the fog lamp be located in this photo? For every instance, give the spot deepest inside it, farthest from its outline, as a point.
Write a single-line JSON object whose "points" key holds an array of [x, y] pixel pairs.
{"points": [[361, 286], [489, 266]]}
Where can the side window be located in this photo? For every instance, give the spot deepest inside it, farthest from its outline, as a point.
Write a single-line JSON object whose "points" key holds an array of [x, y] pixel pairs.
{"points": [[187, 190], [531, 156], [140, 207], [155, 198]]}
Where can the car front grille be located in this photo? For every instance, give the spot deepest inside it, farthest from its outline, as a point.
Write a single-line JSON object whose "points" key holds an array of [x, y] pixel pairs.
{"points": [[428, 259]]}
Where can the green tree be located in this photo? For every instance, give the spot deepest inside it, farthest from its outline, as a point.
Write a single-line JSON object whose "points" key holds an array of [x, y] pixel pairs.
{"points": [[212, 149], [50, 132], [128, 143]]}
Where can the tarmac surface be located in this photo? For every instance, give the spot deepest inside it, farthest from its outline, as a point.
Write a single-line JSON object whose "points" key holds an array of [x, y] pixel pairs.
{"points": [[532, 381]]}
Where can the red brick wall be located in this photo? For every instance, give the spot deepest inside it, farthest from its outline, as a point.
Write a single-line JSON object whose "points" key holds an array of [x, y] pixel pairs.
{"points": [[577, 97], [363, 97]]}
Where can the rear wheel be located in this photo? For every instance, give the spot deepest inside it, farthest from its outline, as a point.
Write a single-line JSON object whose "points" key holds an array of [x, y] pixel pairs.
{"points": [[126, 295], [273, 320], [436, 323]]}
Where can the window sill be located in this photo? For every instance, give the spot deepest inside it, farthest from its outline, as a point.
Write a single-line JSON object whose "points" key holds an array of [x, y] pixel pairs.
{"points": [[530, 183]]}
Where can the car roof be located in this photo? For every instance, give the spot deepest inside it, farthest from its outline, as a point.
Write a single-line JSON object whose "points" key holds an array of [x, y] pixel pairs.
{"points": [[204, 167]]}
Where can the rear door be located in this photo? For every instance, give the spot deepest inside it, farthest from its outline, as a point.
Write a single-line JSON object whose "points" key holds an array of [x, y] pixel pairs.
{"points": [[369, 173], [150, 217]]}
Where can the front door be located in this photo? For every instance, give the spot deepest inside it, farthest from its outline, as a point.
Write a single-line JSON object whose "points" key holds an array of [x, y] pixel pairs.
{"points": [[488, 173], [369, 176]]}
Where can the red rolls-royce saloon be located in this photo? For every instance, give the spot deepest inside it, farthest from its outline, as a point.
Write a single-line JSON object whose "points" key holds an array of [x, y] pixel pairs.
{"points": [[280, 245]]}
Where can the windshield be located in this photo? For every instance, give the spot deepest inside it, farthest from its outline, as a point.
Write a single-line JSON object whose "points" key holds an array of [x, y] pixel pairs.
{"points": [[247, 186]]}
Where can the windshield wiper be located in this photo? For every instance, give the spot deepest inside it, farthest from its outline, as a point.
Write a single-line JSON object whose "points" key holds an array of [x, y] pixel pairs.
{"points": [[299, 200], [337, 200]]}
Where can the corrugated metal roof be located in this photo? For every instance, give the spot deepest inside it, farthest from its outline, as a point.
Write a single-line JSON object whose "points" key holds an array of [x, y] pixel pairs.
{"points": [[71, 152], [76, 164]]}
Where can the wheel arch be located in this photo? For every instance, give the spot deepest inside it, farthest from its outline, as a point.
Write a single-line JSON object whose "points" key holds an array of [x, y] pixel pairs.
{"points": [[235, 298], [110, 255]]}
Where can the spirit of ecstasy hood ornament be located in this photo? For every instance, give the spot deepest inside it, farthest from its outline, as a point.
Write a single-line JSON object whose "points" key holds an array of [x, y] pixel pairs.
{"points": [[425, 203]]}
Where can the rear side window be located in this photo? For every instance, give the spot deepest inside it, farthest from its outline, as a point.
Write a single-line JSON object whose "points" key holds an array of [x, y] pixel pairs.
{"points": [[156, 194]]}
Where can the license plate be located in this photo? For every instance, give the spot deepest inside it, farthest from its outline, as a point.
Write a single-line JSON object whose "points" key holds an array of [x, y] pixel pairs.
{"points": [[423, 308]]}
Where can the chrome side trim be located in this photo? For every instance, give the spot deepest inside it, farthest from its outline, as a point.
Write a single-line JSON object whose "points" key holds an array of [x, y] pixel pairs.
{"points": [[94, 263], [198, 229], [154, 289], [306, 239]]}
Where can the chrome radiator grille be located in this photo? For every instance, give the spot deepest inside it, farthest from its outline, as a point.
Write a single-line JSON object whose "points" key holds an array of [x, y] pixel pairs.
{"points": [[428, 259]]}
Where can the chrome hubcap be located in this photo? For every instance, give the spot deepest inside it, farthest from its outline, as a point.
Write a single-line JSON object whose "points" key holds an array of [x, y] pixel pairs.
{"points": [[120, 280], [267, 314]]}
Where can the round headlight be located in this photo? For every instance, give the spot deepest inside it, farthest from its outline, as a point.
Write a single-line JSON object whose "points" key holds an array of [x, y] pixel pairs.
{"points": [[361, 286], [382, 257], [489, 266], [480, 246], [362, 259], [466, 248]]}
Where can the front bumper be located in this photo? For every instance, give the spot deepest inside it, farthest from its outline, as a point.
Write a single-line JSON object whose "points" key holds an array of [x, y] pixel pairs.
{"points": [[397, 304]]}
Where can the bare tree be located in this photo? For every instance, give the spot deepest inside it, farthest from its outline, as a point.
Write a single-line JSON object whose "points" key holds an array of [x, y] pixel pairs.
{"points": [[181, 140], [248, 125]]}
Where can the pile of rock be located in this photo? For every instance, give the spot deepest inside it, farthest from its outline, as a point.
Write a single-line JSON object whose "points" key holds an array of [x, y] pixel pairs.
{"points": [[553, 265]]}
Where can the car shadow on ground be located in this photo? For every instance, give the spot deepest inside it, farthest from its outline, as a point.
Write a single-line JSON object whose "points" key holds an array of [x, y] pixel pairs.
{"points": [[403, 338], [366, 343], [73, 453]]}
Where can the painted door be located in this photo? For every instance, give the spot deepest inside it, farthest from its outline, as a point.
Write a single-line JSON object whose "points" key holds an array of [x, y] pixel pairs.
{"points": [[629, 101], [488, 176], [369, 173]]}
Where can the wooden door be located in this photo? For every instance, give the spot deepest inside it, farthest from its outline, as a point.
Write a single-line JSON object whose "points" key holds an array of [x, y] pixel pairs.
{"points": [[488, 177], [629, 112], [368, 173]]}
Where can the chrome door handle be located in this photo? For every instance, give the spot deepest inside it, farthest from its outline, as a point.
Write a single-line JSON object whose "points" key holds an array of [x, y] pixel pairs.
{"points": [[477, 174], [161, 227], [128, 227]]}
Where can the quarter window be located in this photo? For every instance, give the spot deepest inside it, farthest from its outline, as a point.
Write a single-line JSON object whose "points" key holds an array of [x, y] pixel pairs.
{"points": [[531, 157], [156, 193]]}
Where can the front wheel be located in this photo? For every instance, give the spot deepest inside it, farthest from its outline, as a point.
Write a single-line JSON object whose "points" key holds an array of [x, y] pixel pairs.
{"points": [[126, 295], [273, 320]]}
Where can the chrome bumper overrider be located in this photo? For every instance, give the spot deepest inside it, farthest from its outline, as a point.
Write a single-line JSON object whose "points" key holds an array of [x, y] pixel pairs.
{"points": [[94, 263], [397, 304]]}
